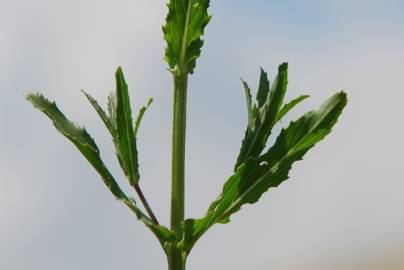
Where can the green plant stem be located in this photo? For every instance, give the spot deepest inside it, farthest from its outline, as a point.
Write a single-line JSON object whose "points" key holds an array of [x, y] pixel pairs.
{"points": [[176, 259], [145, 203]]}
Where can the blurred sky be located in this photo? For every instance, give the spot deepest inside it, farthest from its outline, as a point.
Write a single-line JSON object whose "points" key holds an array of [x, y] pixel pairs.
{"points": [[343, 207]]}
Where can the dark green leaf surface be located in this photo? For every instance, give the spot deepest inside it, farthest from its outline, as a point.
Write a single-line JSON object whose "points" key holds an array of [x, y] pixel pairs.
{"points": [[86, 145], [269, 102], [263, 88], [183, 31], [257, 175], [125, 131]]}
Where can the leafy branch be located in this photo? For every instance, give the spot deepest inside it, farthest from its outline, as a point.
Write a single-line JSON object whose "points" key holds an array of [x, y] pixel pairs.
{"points": [[255, 171], [119, 124]]}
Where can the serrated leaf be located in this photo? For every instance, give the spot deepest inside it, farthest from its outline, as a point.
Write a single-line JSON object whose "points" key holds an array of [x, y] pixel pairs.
{"points": [[251, 108], [110, 122], [104, 117], [257, 134], [79, 137], [126, 136], [289, 106], [183, 31], [86, 145], [140, 115], [112, 108], [263, 88], [256, 176]]}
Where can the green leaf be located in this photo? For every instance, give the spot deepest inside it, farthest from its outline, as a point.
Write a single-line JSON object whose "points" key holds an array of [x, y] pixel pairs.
{"points": [[289, 106], [257, 175], [263, 88], [104, 117], [251, 108], [140, 115], [183, 31], [86, 145], [112, 109], [268, 106], [79, 137], [110, 123], [125, 131]]}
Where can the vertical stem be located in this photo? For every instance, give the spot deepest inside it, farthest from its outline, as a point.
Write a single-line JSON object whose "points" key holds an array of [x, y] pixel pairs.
{"points": [[176, 259]]}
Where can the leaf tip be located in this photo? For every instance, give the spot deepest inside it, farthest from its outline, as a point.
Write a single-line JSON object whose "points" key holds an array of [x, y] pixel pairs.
{"points": [[119, 71], [283, 67]]}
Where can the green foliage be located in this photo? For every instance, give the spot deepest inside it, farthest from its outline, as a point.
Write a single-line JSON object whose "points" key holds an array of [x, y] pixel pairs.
{"points": [[263, 115], [255, 176], [126, 134], [258, 167], [183, 31], [79, 137], [86, 145]]}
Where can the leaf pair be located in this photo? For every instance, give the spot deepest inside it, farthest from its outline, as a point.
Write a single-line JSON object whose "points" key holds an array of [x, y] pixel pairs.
{"points": [[119, 123], [255, 173]]}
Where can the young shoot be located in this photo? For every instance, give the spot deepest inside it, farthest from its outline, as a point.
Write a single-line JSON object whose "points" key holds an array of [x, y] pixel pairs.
{"points": [[257, 168]]}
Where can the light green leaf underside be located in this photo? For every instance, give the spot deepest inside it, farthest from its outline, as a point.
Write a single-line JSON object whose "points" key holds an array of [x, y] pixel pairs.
{"points": [[141, 114], [86, 145], [289, 106], [257, 175], [112, 108], [251, 107], [183, 31], [109, 121], [104, 117]]}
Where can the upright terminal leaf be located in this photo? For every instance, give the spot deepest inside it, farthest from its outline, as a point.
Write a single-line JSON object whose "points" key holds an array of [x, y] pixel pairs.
{"points": [[125, 131], [269, 100], [110, 122], [257, 175], [183, 31]]}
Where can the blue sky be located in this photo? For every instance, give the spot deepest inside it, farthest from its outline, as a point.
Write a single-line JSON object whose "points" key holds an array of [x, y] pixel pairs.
{"points": [[340, 211]]}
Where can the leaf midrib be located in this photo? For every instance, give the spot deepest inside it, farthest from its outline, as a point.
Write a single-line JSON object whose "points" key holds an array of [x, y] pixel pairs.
{"points": [[184, 41]]}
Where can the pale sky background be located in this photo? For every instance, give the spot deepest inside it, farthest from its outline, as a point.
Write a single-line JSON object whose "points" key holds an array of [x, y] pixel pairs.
{"points": [[343, 207]]}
